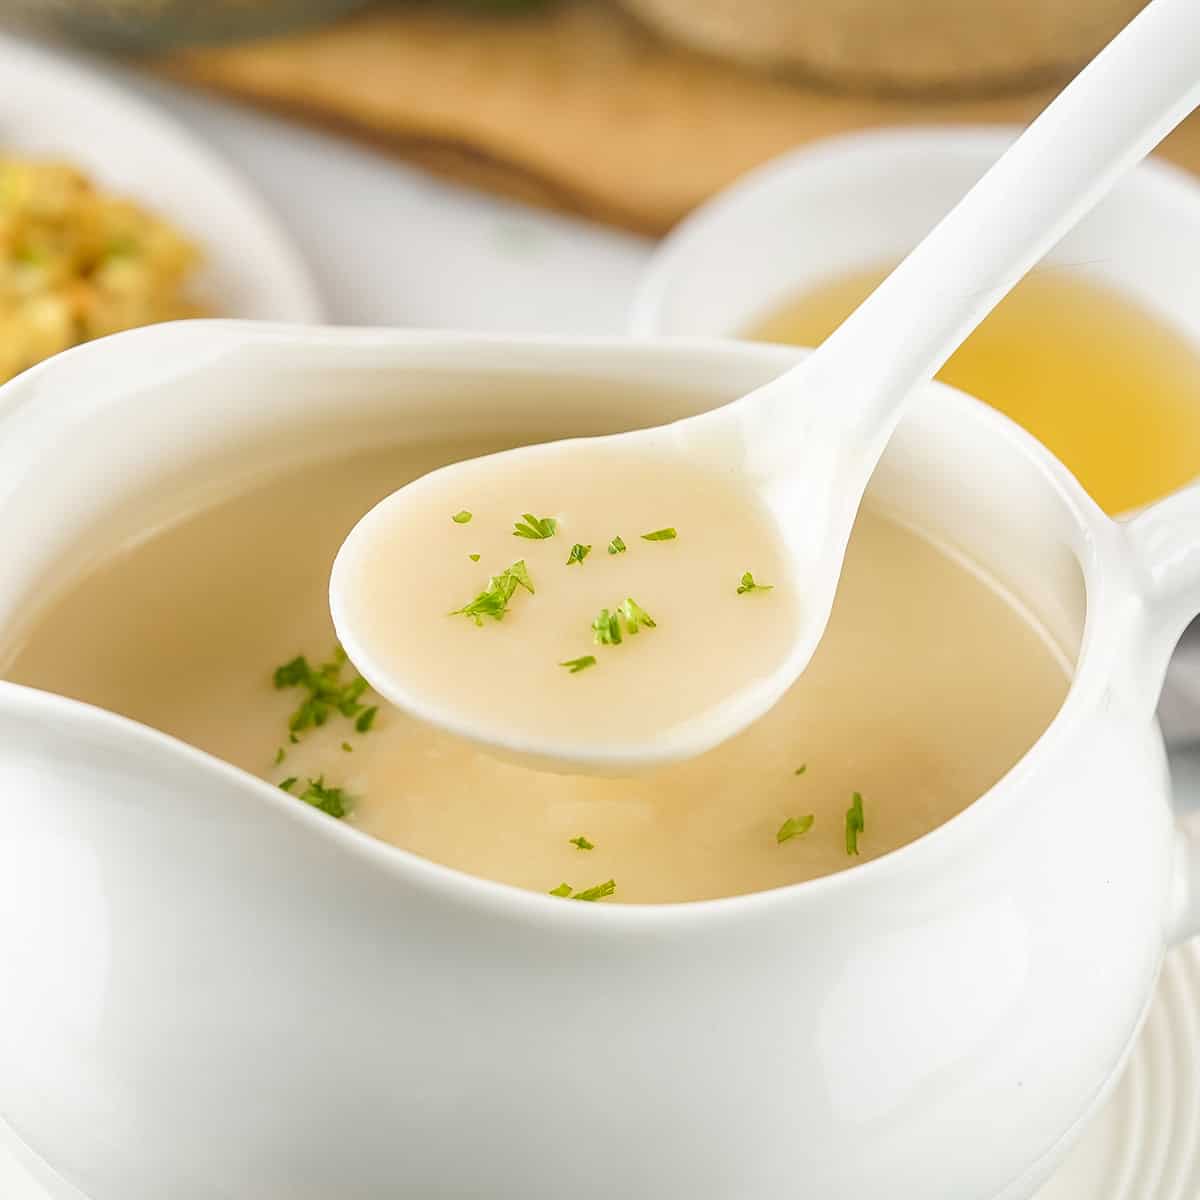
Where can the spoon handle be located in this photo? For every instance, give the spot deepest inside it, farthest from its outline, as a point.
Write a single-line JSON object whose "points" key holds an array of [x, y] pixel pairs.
{"points": [[1103, 123]]}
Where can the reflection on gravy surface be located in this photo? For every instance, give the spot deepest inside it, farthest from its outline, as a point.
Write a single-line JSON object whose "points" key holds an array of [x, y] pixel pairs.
{"points": [[927, 688]]}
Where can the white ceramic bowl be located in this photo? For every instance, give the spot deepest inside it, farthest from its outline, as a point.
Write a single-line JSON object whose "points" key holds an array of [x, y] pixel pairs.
{"points": [[862, 201], [212, 990]]}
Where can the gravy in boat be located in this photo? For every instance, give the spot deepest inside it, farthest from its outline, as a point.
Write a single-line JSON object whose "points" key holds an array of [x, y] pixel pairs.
{"points": [[929, 684], [627, 599]]}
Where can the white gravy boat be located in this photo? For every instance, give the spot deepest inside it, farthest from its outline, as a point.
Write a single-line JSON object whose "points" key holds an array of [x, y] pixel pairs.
{"points": [[210, 990]]}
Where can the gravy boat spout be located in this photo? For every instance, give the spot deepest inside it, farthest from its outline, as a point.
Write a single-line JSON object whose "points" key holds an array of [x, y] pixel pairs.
{"points": [[210, 989]]}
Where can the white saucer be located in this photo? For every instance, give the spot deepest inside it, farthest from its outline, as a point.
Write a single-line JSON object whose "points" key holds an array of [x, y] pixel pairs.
{"points": [[1144, 1144], [50, 105]]}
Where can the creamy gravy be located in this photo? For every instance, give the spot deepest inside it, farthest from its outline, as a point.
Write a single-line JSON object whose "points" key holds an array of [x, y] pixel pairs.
{"points": [[565, 652], [927, 687]]}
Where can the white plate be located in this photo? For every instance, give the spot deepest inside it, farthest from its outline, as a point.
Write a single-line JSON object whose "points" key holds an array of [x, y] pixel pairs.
{"points": [[50, 105]]}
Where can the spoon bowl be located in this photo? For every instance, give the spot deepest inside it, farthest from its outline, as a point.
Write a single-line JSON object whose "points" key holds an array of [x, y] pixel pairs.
{"points": [[709, 456]]}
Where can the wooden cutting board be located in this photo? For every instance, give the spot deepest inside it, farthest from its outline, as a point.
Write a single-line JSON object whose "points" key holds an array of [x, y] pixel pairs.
{"points": [[575, 107]]}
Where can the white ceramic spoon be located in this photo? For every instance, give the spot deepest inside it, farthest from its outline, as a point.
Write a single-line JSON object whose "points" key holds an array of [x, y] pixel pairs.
{"points": [[805, 445]]}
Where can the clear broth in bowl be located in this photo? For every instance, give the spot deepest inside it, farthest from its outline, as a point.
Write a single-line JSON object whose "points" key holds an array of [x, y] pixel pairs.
{"points": [[1109, 387]]}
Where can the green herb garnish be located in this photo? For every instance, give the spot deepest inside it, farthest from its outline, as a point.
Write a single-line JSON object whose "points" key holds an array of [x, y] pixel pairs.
{"points": [[326, 693], [461, 517], [636, 616], [578, 553], [348, 704], [329, 800], [293, 673], [366, 719], [582, 843], [280, 755], [575, 665], [854, 823], [616, 546], [748, 585], [661, 535], [535, 527], [473, 557], [493, 602], [347, 747], [800, 769], [520, 574], [599, 892], [794, 827], [606, 628]]}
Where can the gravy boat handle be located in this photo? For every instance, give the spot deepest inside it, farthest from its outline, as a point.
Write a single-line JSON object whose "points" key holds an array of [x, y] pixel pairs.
{"points": [[1165, 541]]}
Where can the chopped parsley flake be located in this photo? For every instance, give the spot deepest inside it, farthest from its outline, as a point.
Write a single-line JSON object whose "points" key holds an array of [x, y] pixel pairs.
{"points": [[575, 665], [636, 616], [461, 517], [607, 628], [490, 603], [329, 800], [854, 823], [293, 673], [616, 546], [347, 747], [493, 601], [520, 573], [794, 827], [801, 769], [661, 535], [473, 557], [535, 527], [748, 585], [578, 553], [599, 892], [325, 692], [582, 843], [366, 719], [348, 704], [280, 755]]}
